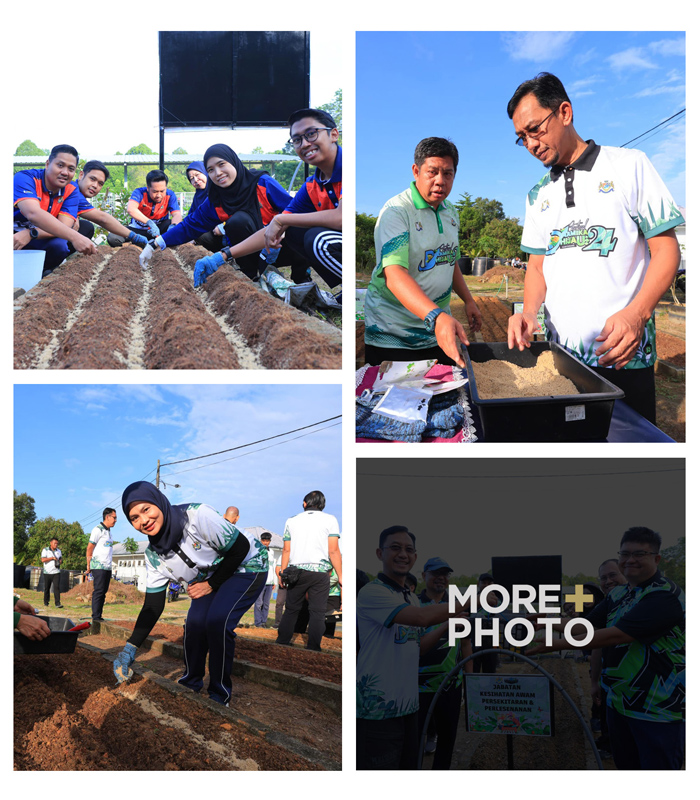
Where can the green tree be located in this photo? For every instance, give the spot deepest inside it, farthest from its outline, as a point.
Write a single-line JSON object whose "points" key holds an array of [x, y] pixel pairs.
{"points": [[140, 150], [130, 545], [180, 151], [504, 236], [28, 148], [335, 108], [365, 257], [25, 517], [72, 542]]}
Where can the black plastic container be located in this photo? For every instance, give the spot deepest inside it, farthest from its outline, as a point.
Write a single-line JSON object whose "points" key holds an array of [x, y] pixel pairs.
{"points": [[62, 639], [583, 417]]}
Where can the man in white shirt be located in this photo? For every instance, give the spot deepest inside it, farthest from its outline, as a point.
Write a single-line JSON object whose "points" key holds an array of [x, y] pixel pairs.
{"points": [[99, 560], [311, 544], [51, 558], [261, 607]]}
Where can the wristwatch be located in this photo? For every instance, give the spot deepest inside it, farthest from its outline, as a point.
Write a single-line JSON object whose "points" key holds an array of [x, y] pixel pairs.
{"points": [[430, 318], [33, 233]]}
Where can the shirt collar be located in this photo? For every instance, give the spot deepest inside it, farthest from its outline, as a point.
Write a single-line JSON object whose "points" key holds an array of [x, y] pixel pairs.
{"points": [[423, 597], [395, 586], [419, 201], [584, 162], [337, 175]]}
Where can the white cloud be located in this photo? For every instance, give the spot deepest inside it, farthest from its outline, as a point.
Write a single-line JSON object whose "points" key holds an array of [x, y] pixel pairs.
{"points": [[632, 58], [669, 47], [538, 45]]}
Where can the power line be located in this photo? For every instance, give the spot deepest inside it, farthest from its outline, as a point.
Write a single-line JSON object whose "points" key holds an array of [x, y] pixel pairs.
{"points": [[259, 441], [678, 113], [233, 458], [97, 514]]}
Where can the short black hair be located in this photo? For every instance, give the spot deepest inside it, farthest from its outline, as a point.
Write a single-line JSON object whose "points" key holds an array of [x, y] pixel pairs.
{"points": [[435, 147], [266, 535], [64, 148], [155, 176], [315, 113], [642, 535], [607, 561], [315, 501], [107, 512], [485, 576], [53, 539], [94, 164], [387, 532], [547, 88]]}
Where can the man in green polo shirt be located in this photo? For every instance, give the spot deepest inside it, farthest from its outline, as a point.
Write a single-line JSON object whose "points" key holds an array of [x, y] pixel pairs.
{"points": [[407, 306]]}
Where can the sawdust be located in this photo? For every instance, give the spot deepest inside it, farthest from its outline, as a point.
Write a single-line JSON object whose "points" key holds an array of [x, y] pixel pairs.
{"points": [[499, 379]]}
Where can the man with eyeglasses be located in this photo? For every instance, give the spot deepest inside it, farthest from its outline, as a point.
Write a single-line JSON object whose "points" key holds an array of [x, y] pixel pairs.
{"points": [[311, 225], [416, 238], [390, 620], [99, 561], [599, 231], [642, 633]]}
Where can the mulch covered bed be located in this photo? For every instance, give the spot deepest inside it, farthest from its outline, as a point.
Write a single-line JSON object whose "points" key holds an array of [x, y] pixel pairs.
{"points": [[69, 715]]}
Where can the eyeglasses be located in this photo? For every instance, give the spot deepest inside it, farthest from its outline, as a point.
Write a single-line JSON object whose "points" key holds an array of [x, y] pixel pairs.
{"points": [[625, 554], [396, 549], [534, 132], [311, 135]]}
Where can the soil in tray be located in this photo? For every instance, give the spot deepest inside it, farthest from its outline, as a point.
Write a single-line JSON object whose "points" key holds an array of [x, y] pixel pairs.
{"points": [[288, 659], [68, 715]]}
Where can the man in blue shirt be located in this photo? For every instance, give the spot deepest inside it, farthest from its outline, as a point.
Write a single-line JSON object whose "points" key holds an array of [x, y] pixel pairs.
{"points": [[153, 208], [46, 209]]}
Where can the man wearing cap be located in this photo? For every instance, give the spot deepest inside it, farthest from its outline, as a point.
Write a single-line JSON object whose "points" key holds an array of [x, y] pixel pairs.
{"points": [[262, 604], [434, 665]]}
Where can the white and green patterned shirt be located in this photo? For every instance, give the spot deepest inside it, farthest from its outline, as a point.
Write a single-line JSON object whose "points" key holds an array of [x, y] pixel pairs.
{"points": [[308, 534], [387, 664], [425, 241], [205, 541], [592, 222], [101, 537]]}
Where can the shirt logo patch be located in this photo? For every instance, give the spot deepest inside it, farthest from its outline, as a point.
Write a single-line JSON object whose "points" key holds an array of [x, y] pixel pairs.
{"points": [[606, 186], [545, 205], [453, 222], [580, 234], [419, 227], [196, 546], [445, 254]]}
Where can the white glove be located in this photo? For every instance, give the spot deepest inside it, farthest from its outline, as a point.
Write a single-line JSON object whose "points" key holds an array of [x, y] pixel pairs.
{"points": [[146, 255]]}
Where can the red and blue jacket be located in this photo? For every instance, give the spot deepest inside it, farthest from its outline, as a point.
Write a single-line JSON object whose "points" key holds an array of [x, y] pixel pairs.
{"points": [[273, 199], [153, 210], [319, 195], [29, 183]]}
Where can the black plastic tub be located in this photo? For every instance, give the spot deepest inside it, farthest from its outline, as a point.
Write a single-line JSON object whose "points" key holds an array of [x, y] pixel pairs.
{"points": [[61, 640], [583, 417]]}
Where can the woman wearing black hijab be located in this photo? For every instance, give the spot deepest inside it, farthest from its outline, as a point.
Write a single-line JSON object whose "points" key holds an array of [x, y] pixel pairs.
{"points": [[239, 202], [224, 568]]}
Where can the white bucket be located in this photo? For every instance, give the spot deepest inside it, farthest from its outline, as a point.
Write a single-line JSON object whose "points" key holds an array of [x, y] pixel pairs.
{"points": [[28, 266]]}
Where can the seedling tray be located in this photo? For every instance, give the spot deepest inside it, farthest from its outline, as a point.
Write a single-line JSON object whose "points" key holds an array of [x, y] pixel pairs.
{"points": [[564, 418], [61, 640]]}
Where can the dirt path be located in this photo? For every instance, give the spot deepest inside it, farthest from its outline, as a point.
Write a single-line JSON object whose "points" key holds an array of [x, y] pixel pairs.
{"points": [[105, 312]]}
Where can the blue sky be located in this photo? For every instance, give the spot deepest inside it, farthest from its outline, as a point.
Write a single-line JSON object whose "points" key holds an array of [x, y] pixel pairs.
{"points": [[416, 84], [78, 447]]}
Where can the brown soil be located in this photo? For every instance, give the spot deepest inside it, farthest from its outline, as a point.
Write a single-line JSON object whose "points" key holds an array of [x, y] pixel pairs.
{"points": [[287, 338], [670, 349], [104, 312], [310, 664], [117, 593], [68, 715], [503, 379], [495, 275]]}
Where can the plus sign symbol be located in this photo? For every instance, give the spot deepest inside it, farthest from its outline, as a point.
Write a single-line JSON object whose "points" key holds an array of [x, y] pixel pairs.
{"points": [[578, 598]]}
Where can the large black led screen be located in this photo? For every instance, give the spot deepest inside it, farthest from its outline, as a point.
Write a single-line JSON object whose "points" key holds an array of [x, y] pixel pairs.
{"points": [[232, 78], [530, 570]]}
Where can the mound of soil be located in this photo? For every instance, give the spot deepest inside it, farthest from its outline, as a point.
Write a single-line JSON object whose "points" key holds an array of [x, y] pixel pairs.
{"points": [[117, 593], [495, 274], [68, 715]]}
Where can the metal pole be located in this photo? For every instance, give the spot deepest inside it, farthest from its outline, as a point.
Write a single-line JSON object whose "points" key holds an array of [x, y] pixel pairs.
{"points": [[158, 475]]}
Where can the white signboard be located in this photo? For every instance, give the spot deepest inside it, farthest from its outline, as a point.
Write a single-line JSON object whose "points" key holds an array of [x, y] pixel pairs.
{"points": [[511, 704]]}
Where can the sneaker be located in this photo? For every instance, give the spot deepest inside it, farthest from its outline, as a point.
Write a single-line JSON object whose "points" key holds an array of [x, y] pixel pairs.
{"points": [[430, 744], [59, 606], [113, 240]]}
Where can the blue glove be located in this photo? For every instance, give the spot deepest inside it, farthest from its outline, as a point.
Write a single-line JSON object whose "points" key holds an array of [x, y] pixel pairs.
{"points": [[153, 228], [123, 662], [207, 266], [137, 239], [270, 255]]}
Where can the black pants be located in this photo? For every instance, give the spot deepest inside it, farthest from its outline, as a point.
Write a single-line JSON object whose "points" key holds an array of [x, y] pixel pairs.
{"points": [[375, 355], [100, 584], [86, 229], [388, 743], [317, 586], [54, 579], [446, 718], [322, 248], [638, 386]]}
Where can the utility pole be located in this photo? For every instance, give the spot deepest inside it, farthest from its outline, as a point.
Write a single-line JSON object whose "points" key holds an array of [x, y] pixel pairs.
{"points": [[158, 475]]}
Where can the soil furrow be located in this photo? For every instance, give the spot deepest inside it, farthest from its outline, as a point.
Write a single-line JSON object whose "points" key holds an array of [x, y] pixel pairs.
{"points": [[180, 334], [44, 313], [286, 338], [100, 336]]}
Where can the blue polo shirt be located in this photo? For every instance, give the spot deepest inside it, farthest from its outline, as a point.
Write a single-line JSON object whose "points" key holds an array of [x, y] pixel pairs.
{"points": [[30, 183], [317, 194], [154, 211]]}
